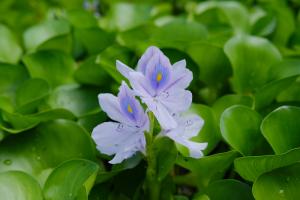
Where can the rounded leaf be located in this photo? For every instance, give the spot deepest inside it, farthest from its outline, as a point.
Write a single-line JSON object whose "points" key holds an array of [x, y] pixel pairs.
{"points": [[240, 128], [17, 185], [281, 128]]}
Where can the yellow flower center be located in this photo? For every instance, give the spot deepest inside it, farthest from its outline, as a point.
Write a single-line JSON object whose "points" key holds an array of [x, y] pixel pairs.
{"points": [[159, 77], [129, 109]]}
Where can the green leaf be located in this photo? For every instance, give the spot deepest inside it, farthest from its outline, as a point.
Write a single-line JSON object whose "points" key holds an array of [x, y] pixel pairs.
{"points": [[229, 189], [226, 101], [285, 21], [265, 95], [17, 185], [118, 168], [213, 64], [94, 39], [281, 128], [124, 16], [264, 23], [107, 60], [37, 151], [66, 181], [39, 34], [240, 127], [282, 183], [166, 154], [207, 169], [10, 51], [91, 73], [11, 77], [19, 123], [30, 94], [43, 63], [76, 17], [80, 100], [251, 69], [235, 13], [187, 32], [210, 132], [251, 167]]}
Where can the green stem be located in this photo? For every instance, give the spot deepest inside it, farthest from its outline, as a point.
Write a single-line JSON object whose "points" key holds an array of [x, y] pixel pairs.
{"points": [[152, 183]]}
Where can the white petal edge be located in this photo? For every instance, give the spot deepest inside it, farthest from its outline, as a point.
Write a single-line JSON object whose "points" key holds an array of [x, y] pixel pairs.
{"points": [[111, 106], [123, 69], [115, 138]]}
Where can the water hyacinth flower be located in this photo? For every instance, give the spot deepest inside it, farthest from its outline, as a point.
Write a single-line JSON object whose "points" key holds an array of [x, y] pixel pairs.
{"points": [[188, 127], [125, 136], [161, 86]]}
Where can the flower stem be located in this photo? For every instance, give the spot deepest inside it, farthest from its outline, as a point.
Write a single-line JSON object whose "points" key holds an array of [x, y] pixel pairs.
{"points": [[152, 184]]}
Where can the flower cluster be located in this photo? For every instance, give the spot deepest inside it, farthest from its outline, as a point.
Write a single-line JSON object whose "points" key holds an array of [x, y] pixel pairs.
{"points": [[162, 87]]}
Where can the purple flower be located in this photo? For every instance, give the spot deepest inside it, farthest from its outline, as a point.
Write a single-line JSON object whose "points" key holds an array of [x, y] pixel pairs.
{"points": [[124, 137], [188, 127], [160, 85]]}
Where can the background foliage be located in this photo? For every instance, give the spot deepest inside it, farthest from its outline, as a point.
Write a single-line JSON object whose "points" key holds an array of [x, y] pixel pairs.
{"points": [[56, 56]]}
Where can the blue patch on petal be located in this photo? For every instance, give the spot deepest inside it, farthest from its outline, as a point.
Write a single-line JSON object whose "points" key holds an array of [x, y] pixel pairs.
{"points": [[128, 106], [159, 76]]}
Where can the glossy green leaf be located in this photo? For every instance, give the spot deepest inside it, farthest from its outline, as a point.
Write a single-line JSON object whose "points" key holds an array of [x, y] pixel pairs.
{"points": [[80, 100], [43, 63], [240, 127], [30, 94], [66, 180], [59, 43], [38, 34], [91, 73], [206, 169], [17, 185], [285, 21], [229, 189], [291, 93], [235, 13], [251, 69], [16, 123], [187, 32], [77, 16], [10, 51], [264, 23], [226, 101], [282, 183], [166, 155], [210, 132], [213, 64], [11, 77], [107, 60], [37, 151], [265, 95], [251, 167], [280, 128], [94, 39], [124, 16], [127, 164]]}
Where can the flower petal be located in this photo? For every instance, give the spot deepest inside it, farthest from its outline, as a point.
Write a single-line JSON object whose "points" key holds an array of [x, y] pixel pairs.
{"points": [[188, 127], [130, 106], [123, 69], [140, 84], [142, 63], [176, 100], [111, 105], [196, 148], [181, 76], [192, 124], [163, 116], [116, 138]]}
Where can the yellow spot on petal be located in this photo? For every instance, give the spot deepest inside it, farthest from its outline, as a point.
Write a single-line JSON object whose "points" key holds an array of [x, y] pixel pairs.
{"points": [[159, 77], [129, 109]]}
